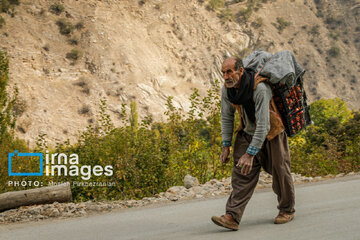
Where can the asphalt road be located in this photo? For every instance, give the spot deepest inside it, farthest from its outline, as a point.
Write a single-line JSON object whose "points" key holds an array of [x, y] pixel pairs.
{"points": [[326, 210]]}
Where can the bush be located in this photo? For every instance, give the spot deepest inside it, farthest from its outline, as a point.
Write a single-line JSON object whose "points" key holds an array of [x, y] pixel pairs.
{"points": [[57, 8], [4, 6], [314, 31], [244, 14], [331, 145], [74, 54], [334, 35], [19, 107], [7, 119], [258, 23], [216, 4], [73, 41], [84, 110], [2, 22], [226, 15], [281, 24], [7, 123], [65, 27], [324, 109], [79, 25], [334, 52]]}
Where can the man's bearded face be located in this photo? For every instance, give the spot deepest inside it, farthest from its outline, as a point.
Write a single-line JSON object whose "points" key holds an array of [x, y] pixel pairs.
{"points": [[230, 75]]}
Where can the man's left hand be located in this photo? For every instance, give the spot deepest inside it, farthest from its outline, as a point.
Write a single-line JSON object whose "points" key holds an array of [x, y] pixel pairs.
{"points": [[245, 162]]}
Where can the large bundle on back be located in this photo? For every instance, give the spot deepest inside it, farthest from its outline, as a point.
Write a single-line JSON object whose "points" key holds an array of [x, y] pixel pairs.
{"points": [[285, 75]]}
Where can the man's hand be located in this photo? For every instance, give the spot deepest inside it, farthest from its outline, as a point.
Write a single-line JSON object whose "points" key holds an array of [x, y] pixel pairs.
{"points": [[225, 155], [245, 162]]}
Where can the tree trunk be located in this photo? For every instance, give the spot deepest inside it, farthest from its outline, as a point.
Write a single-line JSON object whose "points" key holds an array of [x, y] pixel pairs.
{"points": [[58, 193]]}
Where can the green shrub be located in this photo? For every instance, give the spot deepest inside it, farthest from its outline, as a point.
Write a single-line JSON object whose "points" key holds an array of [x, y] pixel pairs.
{"points": [[281, 24], [2, 22], [324, 109], [4, 5], [244, 14], [57, 8], [258, 23], [8, 6], [216, 4], [226, 15], [73, 41], [7, 119], [65, 27], [74, 54], [334, 52], [331, 145], [334, 35], [19, 107], [314, 31], [80, 25]]}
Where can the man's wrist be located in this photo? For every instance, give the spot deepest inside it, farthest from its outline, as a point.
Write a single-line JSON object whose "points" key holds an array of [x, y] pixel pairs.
{"points": [[226, 143], [252, 150]]}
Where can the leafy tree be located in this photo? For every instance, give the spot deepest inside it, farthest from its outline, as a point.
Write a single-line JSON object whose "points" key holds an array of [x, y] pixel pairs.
{"points": [[7, 120], [324, 111]]}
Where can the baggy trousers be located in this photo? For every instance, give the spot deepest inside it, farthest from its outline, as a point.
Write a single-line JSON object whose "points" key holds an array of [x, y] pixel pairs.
{"points": [[274, 157]]}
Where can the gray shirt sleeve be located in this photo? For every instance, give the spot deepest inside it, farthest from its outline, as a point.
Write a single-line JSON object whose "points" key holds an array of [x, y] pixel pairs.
{"points": [[227, 117], [262, 97]]}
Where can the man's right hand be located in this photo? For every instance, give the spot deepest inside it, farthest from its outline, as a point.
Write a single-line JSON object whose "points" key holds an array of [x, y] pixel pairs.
{"points": [[225, 155]]}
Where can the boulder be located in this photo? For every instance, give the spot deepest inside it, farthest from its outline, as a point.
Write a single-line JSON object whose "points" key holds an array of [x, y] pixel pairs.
{"points": [[190, 181]]}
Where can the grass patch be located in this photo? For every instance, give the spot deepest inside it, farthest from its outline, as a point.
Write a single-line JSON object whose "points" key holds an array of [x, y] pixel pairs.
{"points": [[216, 4], [80, 25], [75, 54], [258, 23], [226, 15], [65, 27], [334, 51], [57, 8], [2, 22], [281, 24]]}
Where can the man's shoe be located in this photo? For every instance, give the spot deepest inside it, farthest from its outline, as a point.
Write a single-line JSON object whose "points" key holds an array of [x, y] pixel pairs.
{"points": [[283, 217], [226, 221]]}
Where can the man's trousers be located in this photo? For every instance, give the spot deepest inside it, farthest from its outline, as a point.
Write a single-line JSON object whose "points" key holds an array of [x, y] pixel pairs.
{"points": [[274, 157]]}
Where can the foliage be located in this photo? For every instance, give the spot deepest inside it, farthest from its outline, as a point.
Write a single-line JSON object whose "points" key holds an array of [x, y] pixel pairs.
{"points": [[7, 120], [65, 27], [331, 145], [322, 111], [2, 22], [334, 51], [79, 25], [258, 23], [8, 5], [244, 14], [314, 31], [216, 4], [57, 8], [226, 15], [75, 54], [281, 24]]}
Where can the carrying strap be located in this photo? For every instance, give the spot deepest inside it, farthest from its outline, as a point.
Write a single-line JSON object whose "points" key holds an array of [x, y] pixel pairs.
{"points": [[252, 60]]}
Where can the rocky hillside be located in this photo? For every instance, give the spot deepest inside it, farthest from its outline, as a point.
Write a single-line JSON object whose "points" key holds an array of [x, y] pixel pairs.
{"points": [[66, 56]]}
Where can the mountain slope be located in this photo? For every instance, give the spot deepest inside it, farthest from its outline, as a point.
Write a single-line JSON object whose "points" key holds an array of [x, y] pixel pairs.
{"points": [[149, 50]]}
